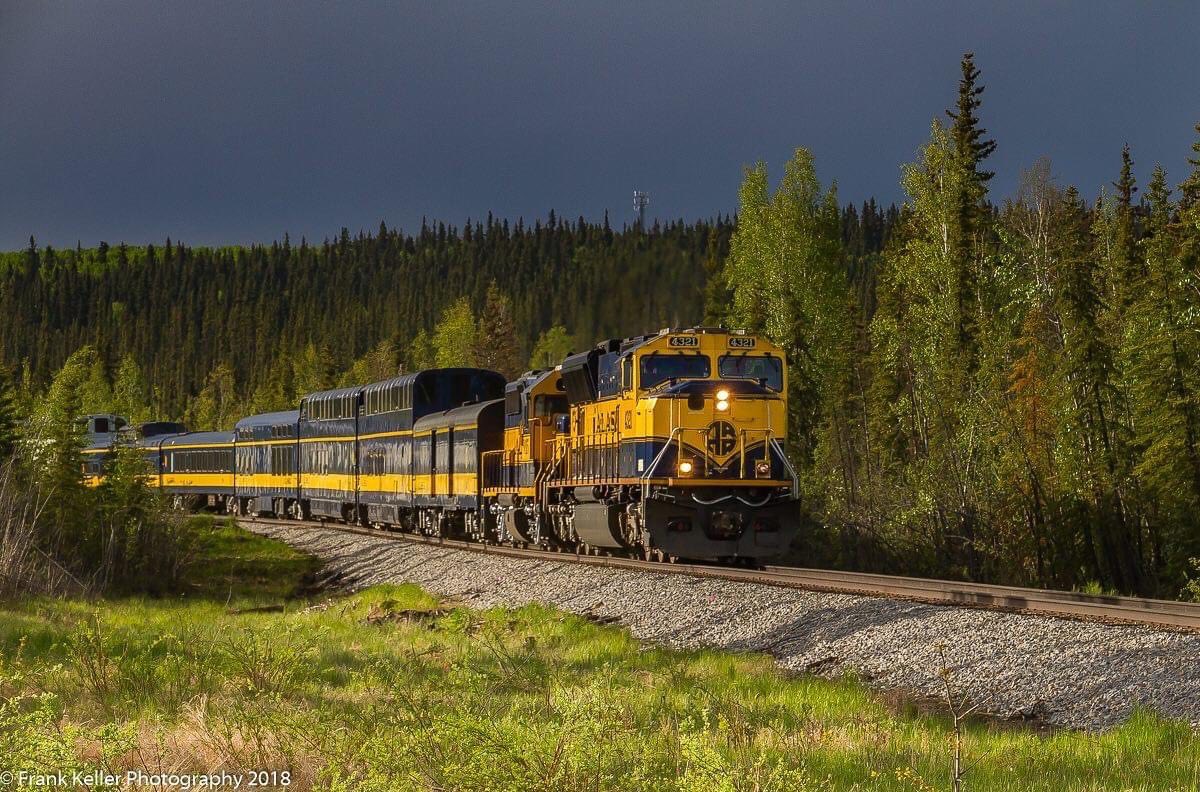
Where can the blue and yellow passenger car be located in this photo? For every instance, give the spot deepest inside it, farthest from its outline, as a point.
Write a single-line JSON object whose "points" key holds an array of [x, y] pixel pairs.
{"points": [[267, 463], [328, 428], [446, 467], [197, 469], [389, 491]]}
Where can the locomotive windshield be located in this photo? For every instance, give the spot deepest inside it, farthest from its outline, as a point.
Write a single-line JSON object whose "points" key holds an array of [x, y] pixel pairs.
{"points": [[761, 368], [657, 369]]}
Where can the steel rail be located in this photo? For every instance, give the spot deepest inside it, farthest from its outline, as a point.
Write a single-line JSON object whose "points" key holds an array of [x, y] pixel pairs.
{"points": [[1183, 616]]}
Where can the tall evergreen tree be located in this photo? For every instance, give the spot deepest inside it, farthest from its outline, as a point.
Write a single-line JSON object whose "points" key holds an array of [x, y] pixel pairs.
{"points": [[496, 344], [10, 416], [967, 237], [1162, 330], [1127, 265], [1189, 206], [718, 297]]}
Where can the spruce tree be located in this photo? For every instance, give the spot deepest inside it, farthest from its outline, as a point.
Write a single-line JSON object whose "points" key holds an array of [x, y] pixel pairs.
{"points": [[9, 416], [496, 344], [1127, 267], [971, 148], [970, 143], [1189, 207], [717, 294], [1160, 334]]}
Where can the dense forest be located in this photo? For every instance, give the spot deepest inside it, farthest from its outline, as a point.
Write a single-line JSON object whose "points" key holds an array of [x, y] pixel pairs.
{"points": [[266, 323], [183, 314], [1003, 389]]}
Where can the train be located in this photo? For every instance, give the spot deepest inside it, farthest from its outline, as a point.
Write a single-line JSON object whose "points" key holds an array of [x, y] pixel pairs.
{"points": [[666, 446]]}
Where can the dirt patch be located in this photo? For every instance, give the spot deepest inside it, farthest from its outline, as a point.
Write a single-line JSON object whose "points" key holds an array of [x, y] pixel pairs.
{"points": [[386, 612], [908, 703]]}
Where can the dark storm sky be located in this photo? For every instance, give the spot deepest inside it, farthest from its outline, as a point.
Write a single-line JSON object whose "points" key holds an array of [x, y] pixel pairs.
{"points": [[235, 122]]}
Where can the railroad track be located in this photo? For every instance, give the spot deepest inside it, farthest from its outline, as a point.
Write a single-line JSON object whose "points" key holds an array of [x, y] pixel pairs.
{"points": [[1183, 616]]}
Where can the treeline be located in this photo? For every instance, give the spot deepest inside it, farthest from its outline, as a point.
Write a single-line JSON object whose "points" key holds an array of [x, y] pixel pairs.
{"points": [[273, 321], [1012, 393], [200, 333]]}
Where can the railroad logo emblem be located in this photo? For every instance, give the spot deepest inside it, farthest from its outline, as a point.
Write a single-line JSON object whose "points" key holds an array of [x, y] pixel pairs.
{"points": [[722, 437]]}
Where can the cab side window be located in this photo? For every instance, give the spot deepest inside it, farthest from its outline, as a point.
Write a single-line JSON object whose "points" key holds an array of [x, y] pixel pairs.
{"points": [[608, 384]]}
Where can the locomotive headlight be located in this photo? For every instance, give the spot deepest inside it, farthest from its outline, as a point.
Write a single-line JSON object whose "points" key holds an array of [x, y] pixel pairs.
{"points": [[685, 468], [722, 395], [722, 405]]}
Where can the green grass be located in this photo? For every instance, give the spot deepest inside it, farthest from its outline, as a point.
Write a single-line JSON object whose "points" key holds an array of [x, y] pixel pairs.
{"points": [[232, 564], [390, 689]]}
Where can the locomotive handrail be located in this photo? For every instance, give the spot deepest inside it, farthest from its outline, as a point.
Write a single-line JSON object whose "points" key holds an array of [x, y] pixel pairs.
{"points": [[654, 464], [541, 480], [787, 463], [769, 441], [768, 436]]}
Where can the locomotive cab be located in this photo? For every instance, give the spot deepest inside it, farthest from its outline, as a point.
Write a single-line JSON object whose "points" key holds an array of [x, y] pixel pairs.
{"points": [[719, 405]]}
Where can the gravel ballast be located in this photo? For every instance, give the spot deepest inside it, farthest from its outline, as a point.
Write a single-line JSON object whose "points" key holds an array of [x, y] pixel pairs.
{"points": [[1058, 672]]}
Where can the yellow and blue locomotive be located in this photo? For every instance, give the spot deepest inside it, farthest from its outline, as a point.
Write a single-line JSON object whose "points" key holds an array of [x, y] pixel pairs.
{"points": [[668, 445]]}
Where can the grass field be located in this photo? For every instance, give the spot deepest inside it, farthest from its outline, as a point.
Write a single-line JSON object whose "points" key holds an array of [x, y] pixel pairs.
{"points": [[390, 689]]}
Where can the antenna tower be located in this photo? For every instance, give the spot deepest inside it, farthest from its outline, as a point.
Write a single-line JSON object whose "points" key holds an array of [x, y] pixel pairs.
{"points": [[640, 201]]}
